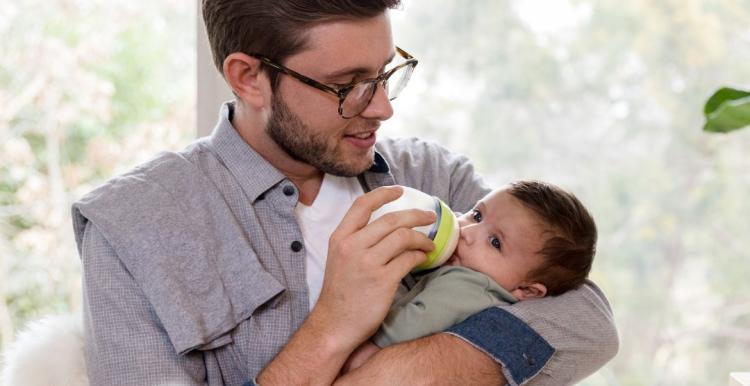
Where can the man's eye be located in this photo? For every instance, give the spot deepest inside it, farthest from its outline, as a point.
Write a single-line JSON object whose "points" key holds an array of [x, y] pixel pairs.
{"points": [[496, 243], [476, 215], [339, 86]]}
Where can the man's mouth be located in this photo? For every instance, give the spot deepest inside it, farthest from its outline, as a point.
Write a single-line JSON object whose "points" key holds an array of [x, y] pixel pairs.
{"points": [[364, 135], [362, 140]]}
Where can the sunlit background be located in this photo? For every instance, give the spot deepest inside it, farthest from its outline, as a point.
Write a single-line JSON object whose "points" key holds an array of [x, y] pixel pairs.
{"points": [[602, 97]]}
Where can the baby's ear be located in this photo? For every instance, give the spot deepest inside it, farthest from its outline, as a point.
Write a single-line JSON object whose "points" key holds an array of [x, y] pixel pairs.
{"points": [[529, 291]]}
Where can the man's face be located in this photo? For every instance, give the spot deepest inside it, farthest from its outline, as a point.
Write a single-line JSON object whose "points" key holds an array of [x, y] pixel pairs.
{"points": [[500, 237], [305, 122], [319, 148]]}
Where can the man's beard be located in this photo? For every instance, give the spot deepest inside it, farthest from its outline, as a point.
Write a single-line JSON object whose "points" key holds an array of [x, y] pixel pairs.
{"points": [[298, 140]]}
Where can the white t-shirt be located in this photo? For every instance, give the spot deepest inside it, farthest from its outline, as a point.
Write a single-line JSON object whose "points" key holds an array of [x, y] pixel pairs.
{"points": [[318, 221]]}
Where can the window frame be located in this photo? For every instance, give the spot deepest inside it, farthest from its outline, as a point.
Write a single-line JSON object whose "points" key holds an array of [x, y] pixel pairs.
{"points": [[211, 89]]}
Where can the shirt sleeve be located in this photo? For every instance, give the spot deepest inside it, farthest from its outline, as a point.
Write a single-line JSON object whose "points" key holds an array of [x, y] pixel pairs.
{"points": [[550, 341], [448, 297], [125, 344]]}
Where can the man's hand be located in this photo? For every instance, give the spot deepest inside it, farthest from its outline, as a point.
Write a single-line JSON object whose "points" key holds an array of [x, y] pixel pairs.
{"points": [[364, 267], [366, 263]]}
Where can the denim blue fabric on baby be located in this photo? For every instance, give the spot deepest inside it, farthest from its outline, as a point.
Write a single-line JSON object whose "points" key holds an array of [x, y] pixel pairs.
{"points": [[521, 351]]}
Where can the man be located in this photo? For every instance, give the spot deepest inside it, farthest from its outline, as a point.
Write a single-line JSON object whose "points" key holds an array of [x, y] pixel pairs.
{"points": [[205, 266]]}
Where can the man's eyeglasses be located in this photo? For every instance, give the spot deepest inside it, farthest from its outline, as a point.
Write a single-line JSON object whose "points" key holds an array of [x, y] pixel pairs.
{"points": [[356, 96]]}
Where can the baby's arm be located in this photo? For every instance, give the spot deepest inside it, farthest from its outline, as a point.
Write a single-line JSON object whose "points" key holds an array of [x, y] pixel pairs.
{"points": [[449, 296]]}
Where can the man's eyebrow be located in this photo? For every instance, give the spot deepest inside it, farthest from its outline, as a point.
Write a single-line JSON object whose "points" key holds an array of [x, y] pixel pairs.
{"points": [[360, 70]]}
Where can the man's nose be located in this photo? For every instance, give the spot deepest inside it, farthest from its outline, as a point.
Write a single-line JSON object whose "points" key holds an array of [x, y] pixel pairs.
{"points": [[380, 107]]}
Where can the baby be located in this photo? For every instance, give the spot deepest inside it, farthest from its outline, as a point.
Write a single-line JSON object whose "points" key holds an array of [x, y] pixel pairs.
{"points": [[527, 240]]}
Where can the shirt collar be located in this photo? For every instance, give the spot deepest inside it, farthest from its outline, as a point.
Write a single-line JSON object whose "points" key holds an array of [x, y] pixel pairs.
{"points": [[379, 164], [254, 174]]}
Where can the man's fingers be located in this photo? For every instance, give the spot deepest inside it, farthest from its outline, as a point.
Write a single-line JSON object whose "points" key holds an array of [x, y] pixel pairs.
{"points": [[390, 222], [360, 212], [402, 264], [398, 242]]}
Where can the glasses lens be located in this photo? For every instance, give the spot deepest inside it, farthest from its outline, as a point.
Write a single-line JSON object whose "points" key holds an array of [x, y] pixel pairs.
{"points": [[360, 96], [398, 80], [357, 99]]}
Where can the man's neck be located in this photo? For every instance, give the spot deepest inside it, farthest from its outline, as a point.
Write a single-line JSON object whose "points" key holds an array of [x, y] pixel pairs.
{"points": [[307, 178]]}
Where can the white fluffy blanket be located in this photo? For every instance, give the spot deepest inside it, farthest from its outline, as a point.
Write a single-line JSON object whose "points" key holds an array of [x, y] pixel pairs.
{"points": [[47, 352]]}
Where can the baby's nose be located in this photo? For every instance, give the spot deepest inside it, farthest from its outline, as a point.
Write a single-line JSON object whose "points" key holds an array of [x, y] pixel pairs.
{"points": [[467, 233]]}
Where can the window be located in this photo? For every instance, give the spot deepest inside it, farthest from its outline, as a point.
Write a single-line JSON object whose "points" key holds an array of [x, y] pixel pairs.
{"points": [[88, 89], [605, 98]]}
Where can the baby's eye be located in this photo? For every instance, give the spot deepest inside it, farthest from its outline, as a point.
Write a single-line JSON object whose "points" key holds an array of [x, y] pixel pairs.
{"points": [[496, 243], [476, 215]]}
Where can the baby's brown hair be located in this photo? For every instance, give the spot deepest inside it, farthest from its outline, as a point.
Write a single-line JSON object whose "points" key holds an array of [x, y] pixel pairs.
{"points": [[569, 249]]}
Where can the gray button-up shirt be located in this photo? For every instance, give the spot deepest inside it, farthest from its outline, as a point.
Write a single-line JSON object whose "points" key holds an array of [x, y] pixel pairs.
{"points": [[193, 271]]}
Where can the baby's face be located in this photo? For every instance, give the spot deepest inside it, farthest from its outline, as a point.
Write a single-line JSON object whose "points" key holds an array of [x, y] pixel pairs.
{"points": [[500, 237]]}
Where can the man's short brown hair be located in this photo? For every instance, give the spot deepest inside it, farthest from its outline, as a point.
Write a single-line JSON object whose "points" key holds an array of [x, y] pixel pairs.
{"points": [[275, 28], [570, 244]]}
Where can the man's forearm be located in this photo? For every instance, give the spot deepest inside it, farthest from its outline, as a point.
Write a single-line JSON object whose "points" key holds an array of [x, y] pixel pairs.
{"points": [[441, 358], [311, 357]]}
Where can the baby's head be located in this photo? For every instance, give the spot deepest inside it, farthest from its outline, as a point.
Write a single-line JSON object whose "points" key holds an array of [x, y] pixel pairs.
{"points": [[531, 237]]}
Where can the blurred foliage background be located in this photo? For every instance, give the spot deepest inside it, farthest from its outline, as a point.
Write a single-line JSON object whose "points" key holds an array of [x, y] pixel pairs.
{"points": [[88, 88], [605, 98], [602, 97]]}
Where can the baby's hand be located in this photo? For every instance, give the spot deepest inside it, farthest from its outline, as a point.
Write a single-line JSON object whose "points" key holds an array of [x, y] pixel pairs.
{"points": [[360, 355]]}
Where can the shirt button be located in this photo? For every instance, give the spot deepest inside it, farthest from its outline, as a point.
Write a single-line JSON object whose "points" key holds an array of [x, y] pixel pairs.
{"points": [[289, 190], [296, 246]]}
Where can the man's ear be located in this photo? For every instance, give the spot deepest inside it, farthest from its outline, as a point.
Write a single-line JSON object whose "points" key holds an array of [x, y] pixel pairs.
{"points": [[529, 291], [244, 76]]}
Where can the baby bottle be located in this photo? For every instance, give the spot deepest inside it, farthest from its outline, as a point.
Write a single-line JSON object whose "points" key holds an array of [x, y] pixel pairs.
{"points": [[443, 232]]}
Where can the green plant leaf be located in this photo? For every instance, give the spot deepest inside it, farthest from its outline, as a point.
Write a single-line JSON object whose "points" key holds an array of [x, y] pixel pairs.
{"points": [[722, 95], [728, 109]]}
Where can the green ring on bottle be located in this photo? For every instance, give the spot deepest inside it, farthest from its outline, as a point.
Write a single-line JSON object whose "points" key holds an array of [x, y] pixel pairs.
{"points": [[446, 224]]}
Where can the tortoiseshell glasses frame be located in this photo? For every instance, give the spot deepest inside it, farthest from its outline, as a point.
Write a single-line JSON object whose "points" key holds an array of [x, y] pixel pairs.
{"points": [[361, 92]]}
